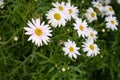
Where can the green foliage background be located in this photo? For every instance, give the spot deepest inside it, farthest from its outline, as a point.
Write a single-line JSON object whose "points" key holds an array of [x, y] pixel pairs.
{"points": [[22, 60]]}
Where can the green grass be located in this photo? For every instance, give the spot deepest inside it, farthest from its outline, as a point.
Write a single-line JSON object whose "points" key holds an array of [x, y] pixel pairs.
{"points": [[23, 60]]}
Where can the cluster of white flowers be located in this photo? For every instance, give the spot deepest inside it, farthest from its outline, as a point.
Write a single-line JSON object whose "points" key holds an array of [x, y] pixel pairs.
{"points": [[61, 13], [106, 11], [58, 17]]}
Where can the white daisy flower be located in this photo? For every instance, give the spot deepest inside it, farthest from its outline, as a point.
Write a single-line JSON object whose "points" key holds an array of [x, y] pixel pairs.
{"points": [[1, 3], [109, 10], [39, 32], [72, 11], [111, 22], [92, 34], [90, 15], [71, 49], [91, 48], [97, 5], [81, 27], [56, 18], [60, 6], [104, 1]]}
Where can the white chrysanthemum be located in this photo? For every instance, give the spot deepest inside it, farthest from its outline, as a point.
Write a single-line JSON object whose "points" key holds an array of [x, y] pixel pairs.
{"points": [[91, 48], [92, 34], [111, 22], [39, 32], [60, 6], [71, 49], [109, 10], [81, 27], [1, 3], [97, 5], [56, 18], [104, 1], [72, 11], [90, 15]]}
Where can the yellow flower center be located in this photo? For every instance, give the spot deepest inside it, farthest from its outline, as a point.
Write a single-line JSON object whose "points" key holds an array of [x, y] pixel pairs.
{"points": [[70, 11], [91, 34], [57, 16], [110, 8], [81, 27], [38, 32], [71, 49], [60, 8], [91, 46], [93, 14], [112, 22]]}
